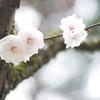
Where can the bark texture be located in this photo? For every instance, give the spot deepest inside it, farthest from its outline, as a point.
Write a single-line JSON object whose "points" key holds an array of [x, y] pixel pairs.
{"points": [[10, 76], [7, 12]]}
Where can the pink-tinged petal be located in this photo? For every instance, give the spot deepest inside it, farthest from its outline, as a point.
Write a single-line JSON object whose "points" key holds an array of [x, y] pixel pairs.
{"points": [[73, 31], [72, 23], [20, 47], [12, 50], [32, 39], [74, 40]]}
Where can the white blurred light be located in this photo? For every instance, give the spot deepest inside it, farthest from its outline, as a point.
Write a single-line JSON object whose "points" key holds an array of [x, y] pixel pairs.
{"points": [[24, 91], [49, 95], [92, 87], [54, 74], [86, 9], [65, 66], [27, 15]]}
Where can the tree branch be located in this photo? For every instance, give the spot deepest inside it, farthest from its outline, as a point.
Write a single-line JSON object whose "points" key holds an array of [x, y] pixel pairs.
{"points": [[7, 12], [59, 35], [91, 26]]}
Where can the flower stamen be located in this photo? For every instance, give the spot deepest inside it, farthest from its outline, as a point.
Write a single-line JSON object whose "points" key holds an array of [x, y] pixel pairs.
{"points": [[71, 27], [30, 41], [74, 38], [14, 49]]}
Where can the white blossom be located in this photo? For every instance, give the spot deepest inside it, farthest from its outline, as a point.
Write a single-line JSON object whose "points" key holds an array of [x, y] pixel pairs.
{"points": [[72, 24], [32, 39], [73, 31], [75, 40], [12, 50], [6, 38], [17, 48]]}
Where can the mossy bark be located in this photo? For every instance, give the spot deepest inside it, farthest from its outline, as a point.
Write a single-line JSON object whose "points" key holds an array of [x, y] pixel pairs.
{"points": [[11, 75], [7, 12]]}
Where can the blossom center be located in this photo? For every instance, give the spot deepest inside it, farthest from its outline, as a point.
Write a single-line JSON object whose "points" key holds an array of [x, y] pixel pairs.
{"points": [[71, 27], [30, 41], [74, 38], [14, 49]]}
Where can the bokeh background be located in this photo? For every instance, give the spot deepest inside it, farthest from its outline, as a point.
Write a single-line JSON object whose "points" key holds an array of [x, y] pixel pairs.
{"points": [[72, 74]]}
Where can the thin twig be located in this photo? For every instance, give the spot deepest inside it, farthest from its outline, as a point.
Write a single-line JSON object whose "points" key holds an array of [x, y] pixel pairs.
{"points": [[55, 36], [91, 26], [59, 35]]}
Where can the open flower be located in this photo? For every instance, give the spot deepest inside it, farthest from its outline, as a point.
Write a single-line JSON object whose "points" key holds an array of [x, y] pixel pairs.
{"points": [[20, 47], [12, 50], [32, 39], [75, 40], [73, 31], [72, 24]]}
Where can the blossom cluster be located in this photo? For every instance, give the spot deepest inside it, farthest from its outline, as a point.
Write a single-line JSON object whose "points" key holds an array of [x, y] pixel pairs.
{"points": [[73, 31], [17, 48]]}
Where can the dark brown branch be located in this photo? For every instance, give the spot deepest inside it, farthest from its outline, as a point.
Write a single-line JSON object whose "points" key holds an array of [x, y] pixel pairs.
{"points": [[59, 35], [7, 12], [55, 36], [91, 26]]}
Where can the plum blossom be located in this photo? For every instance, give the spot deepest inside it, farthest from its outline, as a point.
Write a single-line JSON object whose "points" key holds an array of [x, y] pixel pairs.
{"points": [[17, 48], [73, 31], [32, 39]]}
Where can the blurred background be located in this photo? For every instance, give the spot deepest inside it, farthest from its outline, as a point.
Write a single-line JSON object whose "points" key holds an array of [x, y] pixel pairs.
{"points": [[72, 74]]}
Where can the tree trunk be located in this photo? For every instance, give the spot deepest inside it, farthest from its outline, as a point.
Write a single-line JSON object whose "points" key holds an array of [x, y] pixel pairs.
{"points": [[9, 75], [7, 12]]}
